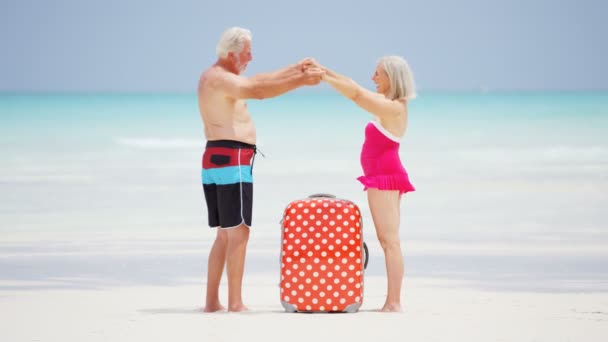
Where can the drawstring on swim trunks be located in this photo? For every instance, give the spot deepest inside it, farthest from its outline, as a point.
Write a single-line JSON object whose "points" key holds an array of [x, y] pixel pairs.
{"points": [[255, 151]]}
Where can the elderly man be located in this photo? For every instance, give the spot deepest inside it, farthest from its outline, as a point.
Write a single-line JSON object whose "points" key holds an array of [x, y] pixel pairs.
{"points": [[228, 157]]}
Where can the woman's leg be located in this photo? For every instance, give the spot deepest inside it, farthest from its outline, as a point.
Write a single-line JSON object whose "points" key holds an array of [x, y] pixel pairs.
{"points": [[384, 206]]}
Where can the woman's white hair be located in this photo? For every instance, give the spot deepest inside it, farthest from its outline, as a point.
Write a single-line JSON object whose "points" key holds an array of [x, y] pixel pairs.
{"points": [[232, 40], [400, 77]]}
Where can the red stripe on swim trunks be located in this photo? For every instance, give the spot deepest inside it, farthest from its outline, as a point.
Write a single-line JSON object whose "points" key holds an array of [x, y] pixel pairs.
{"points": [[245, 158]]}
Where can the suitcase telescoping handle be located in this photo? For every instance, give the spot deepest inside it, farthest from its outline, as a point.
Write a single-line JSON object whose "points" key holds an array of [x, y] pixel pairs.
{"points": [[322, 195]]}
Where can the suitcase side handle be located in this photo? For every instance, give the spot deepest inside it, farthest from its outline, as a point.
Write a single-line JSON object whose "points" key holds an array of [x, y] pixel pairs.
{"points": [[322, 195], [365, 255]]}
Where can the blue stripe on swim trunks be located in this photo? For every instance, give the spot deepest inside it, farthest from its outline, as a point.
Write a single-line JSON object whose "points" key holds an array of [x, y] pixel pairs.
{"points": [[227, 175]]}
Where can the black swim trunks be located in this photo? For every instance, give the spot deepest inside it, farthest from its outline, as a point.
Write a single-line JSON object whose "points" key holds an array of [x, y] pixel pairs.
{"points": [[227, 177]]}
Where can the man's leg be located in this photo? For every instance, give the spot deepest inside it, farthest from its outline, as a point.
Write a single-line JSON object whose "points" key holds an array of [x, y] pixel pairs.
{"points": [[235, 265], [215, 268]]}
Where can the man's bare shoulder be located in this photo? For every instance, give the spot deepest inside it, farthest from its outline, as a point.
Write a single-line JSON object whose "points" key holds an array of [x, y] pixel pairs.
{"points": [[217, 77]]}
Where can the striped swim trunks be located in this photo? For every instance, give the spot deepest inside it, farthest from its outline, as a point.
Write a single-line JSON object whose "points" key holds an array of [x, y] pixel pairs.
{"points": [[227, 177]]}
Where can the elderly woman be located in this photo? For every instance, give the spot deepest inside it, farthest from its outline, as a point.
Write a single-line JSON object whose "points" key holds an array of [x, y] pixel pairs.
{"points": [[385, 178]]}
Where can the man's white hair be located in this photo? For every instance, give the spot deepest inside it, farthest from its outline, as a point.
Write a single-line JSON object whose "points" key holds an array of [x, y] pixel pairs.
{"points": [[400, 77], [232, 40]]}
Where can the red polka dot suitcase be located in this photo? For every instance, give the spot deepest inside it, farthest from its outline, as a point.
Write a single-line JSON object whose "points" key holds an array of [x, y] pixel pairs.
{"points": [[323, 256]]}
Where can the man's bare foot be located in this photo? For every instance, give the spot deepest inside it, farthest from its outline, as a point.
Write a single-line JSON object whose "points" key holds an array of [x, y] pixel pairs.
{"points": [[391, 308], [214, 308], [238, 308]]}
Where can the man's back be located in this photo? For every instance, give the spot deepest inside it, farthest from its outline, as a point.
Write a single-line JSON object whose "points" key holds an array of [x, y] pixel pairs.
{"points": [[224, 117]]}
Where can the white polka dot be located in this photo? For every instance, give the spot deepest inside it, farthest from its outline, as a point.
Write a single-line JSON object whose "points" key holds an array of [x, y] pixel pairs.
{"points": [[352, 217], [318, 223], [350, 293], [336, 294], [305, 223], [338, 229], [332, 210], [335, 308], [329, 287], [331, 235], [316, 274], [351, 267], [310, 254], [338, 241], [299, 217], [294, 292], [316, 260], [321, 294], [302, 260], [319, 211], [337, 267], [352, 242], [342, 301], [330, 261], [332, 223], [290, 235], [344, 248], [307, 293], [297, 241], [289, 247], [325, 205], [301, 274], [351, 254], [308, 281], [322, 281], [294, 266], [308, 267], [293, 211], [337, 281], [351, 280], [343, 287], [330, 247], [328, 301], [306, 211], [317, 247], [358, 261], [322, 308], [324, 241], [345, 236], [311, 229], [308, 307], [324, 254], [296, 253], [311, 217], [294, 280], [358, 236], [344, 260], [303, 247], [298, 229], [286, 298], [357, 299], [288, 272], [287, 285], [323, 267], [325, 229], [312, 205], [358, 285], [300, 205], [315, 287], [300, 300], [358, 249], [358, 273], [344, 274], [339, 217], [345, 211], [318, 235], [339, 205], [301, 286], [315, 300], [337, 254], [330, 274], [352, 230]]}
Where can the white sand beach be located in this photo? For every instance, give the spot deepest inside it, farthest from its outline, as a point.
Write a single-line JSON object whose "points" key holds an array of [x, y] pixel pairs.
{"points": [[434, 311]]}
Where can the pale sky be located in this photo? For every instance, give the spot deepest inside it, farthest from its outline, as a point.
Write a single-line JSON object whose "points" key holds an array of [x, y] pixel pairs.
{"points": [[162, 46]]}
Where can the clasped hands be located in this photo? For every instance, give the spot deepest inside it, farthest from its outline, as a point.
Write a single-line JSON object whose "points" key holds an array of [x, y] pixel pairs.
{"points": [[313, 71]]}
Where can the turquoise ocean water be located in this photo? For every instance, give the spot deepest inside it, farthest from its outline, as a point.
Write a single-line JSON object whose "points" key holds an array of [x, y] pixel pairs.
{"points": [[512, 188]]}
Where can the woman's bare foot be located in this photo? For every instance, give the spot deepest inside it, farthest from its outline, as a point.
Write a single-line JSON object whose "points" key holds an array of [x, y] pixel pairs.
{"points": [[214, 308], [238, 308], [391, 307]]}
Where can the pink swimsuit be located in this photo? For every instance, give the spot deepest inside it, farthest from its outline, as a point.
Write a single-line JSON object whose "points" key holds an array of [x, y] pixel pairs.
{"points": [[380, 161]]}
